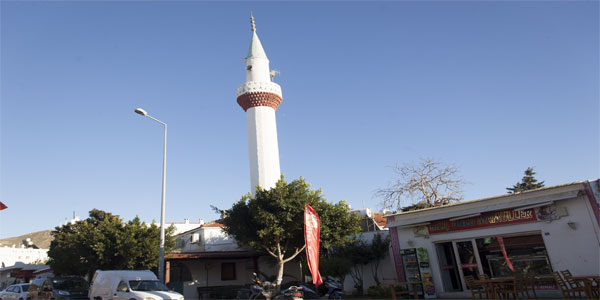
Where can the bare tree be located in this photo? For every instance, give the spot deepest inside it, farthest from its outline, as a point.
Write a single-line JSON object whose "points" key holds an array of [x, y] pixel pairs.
{"points": [[426, 184]]}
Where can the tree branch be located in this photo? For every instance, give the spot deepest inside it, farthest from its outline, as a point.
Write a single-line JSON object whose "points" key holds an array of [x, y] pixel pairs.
{"points": [[298, 250], [269, 251], [427, 182]]}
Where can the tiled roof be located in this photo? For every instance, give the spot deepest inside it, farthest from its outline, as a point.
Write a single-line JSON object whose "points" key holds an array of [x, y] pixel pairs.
{"points": [[379, 219], [213, 224]]}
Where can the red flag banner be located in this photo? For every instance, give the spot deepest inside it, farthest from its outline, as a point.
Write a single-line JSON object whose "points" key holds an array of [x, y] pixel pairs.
{"points": [[2, 206], [312, 227], [503, 249]]}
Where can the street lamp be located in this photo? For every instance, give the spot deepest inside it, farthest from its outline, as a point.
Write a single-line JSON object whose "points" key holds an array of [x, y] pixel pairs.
{"points": [[161, 254]]}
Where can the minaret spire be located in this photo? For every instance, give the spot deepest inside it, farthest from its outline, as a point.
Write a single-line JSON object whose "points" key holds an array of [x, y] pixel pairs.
{"points": [[259, 97], [256, 48]]}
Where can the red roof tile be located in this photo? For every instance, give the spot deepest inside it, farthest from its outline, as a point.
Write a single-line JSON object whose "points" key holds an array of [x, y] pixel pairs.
{"points": [[379, 219]]}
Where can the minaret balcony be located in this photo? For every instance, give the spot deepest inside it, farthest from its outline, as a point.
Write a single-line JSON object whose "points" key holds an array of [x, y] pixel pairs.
{"points": [[259, 86]]}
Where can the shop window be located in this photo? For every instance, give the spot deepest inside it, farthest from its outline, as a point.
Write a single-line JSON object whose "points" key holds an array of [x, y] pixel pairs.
{"points": [[227, 271], [527, 254]]}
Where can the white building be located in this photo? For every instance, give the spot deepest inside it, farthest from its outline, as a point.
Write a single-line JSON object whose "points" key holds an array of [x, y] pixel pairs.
{"points": [[259, 96], [184, 226], [206, 259], [9, 256], [540, 231]]}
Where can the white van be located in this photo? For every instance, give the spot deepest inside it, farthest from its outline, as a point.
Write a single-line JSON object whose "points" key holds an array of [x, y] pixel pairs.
{"points": [[129, 285]]}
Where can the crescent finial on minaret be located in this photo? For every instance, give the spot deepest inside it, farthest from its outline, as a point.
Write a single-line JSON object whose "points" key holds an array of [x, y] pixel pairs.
{"points": [[252, 22]]}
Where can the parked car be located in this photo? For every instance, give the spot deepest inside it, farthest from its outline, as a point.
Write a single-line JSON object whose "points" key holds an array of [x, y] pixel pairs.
{"points": [[127, 285], [15, 292], [71, 287]]}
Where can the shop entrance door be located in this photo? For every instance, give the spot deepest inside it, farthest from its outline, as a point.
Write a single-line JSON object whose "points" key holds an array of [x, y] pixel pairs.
{"points": [[468, 260], [449, 268]]}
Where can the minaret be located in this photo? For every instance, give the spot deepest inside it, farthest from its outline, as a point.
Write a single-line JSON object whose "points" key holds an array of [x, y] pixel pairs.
{"points": [[260, 97]]}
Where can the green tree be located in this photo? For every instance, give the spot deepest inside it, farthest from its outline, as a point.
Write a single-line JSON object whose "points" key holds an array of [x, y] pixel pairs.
{"points": [[272, 221], [379, 249], [528, 182], [103, 241], [358, 252], [335, 266]]}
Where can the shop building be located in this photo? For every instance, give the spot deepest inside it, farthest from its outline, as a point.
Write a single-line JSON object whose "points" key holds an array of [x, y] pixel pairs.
{"points": [[540, 231]]}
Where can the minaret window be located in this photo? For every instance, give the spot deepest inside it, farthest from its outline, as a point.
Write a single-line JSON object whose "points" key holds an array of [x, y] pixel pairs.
{"points": [[249, 67]]}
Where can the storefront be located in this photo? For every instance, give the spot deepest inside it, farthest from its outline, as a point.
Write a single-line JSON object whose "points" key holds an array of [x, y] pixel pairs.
{"points": [[536, 233]]}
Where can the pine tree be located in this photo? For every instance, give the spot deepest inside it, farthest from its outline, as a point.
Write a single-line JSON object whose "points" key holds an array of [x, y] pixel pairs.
{"points": [[528, 182]]}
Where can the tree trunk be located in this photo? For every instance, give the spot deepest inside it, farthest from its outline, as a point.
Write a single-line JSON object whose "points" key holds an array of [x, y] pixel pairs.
{"points": [[375, 270], [279, 279]]}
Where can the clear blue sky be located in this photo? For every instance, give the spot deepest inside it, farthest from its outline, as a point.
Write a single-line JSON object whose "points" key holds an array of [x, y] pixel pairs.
{"points": [[493, 87]]}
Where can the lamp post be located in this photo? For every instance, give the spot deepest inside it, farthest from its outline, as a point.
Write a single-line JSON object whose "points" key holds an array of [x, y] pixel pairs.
{"points": [[161, 254]]}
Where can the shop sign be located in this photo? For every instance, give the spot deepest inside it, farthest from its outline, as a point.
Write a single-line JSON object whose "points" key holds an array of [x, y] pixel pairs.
{"points": [[547, 213], [489, 219], [426, 276], [420, 230]]}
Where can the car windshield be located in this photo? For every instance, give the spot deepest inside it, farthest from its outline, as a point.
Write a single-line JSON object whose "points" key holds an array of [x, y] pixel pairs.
{"points": [[147, 285], [70, 284], [25, 287]]}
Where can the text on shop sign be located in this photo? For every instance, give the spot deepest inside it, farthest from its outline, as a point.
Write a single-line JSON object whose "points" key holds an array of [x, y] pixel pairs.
{"points": [[484, 220]]}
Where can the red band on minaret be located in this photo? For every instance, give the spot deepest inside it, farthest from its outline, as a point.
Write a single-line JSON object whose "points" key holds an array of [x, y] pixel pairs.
{"points": [[252, 99]]}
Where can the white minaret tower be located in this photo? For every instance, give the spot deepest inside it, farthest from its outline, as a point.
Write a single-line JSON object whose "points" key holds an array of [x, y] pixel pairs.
{"points": [[260, 97]]}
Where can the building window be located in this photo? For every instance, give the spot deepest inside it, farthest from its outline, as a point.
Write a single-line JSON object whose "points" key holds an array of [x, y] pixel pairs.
{"points": [[227, 271]]}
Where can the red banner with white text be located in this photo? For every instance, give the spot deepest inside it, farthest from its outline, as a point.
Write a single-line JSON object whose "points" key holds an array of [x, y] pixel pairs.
{"points": [[312, 227]]}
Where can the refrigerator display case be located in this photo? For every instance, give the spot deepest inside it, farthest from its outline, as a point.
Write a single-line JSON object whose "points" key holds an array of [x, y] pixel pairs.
{"points": [[416, 268]]}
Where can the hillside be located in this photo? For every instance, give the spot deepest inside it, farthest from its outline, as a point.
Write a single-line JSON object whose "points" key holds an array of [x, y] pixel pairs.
{"points": [[41, 239]]}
